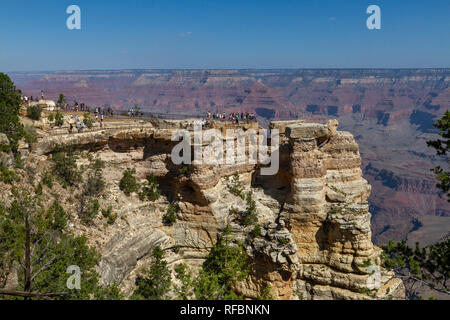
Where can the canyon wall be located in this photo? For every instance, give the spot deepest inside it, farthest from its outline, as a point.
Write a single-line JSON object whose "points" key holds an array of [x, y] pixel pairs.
{"points": [[315, 241], [390, 113]]}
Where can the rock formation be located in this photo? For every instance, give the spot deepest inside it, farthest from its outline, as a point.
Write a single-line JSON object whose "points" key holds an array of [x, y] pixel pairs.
{"points": [[315, 241], [4, 141], [390, 113]]}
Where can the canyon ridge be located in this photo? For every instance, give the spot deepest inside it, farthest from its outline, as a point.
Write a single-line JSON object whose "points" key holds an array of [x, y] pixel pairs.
{"points": [[315, 237], [390, 113]]}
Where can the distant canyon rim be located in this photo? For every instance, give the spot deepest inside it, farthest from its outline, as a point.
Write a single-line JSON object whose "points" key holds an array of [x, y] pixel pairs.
{"points": [[389, 111]]}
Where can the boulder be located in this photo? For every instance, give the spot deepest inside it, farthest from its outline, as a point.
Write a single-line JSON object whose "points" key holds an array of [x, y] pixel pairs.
{"points": [[4, 141]]}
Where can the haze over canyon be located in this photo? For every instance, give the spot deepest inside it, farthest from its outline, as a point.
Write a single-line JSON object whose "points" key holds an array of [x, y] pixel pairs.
{"points": [[390, 113]]}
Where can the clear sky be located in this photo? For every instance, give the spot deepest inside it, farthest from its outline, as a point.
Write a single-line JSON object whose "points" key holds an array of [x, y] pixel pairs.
{"points": [[121, 34]]}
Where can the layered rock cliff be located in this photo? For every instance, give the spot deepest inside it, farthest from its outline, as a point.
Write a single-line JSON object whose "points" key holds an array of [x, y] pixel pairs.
{"points": [[389, 111], [315, 241]]}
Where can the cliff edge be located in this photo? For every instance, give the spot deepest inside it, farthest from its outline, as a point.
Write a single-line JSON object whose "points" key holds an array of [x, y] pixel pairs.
{"points": [[315, 239]]}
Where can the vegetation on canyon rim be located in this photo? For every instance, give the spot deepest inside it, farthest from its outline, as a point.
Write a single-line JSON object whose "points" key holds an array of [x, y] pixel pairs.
{"points": [[34, 240], [36, 244], [430, 265], [442, 147], [226, 264], [9, 113]]}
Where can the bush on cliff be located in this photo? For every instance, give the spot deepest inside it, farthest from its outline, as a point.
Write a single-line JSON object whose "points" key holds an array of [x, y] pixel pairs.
{"points": [[170, 217], [226, 264], [65, 166], [183, 170], [256, 232], [109, 215], [88, 209], [185, 276], [29, 134], [228, 260], [150, 190], [250, 215], [95, 183], [128, 184], [8, 176], [236, 187], [90, 191], [87, 119], [59, 119], [34, 112], [154, 282]]}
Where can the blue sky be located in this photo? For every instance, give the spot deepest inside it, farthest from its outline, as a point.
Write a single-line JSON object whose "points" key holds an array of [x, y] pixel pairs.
{"points": [[120, 34]]}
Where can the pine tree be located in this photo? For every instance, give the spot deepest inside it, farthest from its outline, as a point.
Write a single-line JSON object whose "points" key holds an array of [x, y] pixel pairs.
{"points": [[442, 146], [154, 283], [428, 266], [9, 112], [35, 240]]}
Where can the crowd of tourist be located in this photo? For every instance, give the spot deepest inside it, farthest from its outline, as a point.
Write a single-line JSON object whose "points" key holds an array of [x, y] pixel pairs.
{"points": [[234, 117], [133, 112], [76, 107], [99, 113], [81, 124]]}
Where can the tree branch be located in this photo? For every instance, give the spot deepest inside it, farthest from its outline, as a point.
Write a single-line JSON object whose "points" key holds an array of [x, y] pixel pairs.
{"points": [[32, 294], [430, 285]]}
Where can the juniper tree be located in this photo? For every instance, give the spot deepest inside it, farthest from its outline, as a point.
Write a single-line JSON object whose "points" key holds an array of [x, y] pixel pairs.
{"points": [[9, 112], [226, 264], [128, 183], [154, 283], [34, 240], [90, 191], [61, 100], [442, 146], [150, 190], [429, 266]]}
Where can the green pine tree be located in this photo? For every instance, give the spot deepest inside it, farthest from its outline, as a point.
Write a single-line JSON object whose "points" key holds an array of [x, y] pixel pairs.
{"points": [[442, 146]]}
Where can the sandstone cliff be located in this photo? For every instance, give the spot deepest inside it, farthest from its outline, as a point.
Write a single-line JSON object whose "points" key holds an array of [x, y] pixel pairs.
{"points": [[390, 113], [316, 237]]}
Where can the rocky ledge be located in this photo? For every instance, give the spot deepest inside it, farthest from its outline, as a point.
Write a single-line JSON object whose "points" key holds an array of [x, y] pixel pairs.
{"points": [[315, 240]]}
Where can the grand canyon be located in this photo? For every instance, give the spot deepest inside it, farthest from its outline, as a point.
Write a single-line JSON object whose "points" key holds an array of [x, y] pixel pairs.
{"points": [[389, 112]]}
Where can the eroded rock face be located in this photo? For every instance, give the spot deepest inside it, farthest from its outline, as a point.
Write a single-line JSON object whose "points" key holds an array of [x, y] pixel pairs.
{"points": [[315, 240], [4, 141]]}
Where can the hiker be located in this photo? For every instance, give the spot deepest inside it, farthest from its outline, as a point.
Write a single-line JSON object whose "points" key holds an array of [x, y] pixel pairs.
{"points": [[80, 126], [70, 128]]}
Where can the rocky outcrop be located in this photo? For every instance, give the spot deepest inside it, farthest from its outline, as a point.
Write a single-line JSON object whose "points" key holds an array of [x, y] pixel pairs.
{"points": [[315, 240], [390, 112], [4, 141]]}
